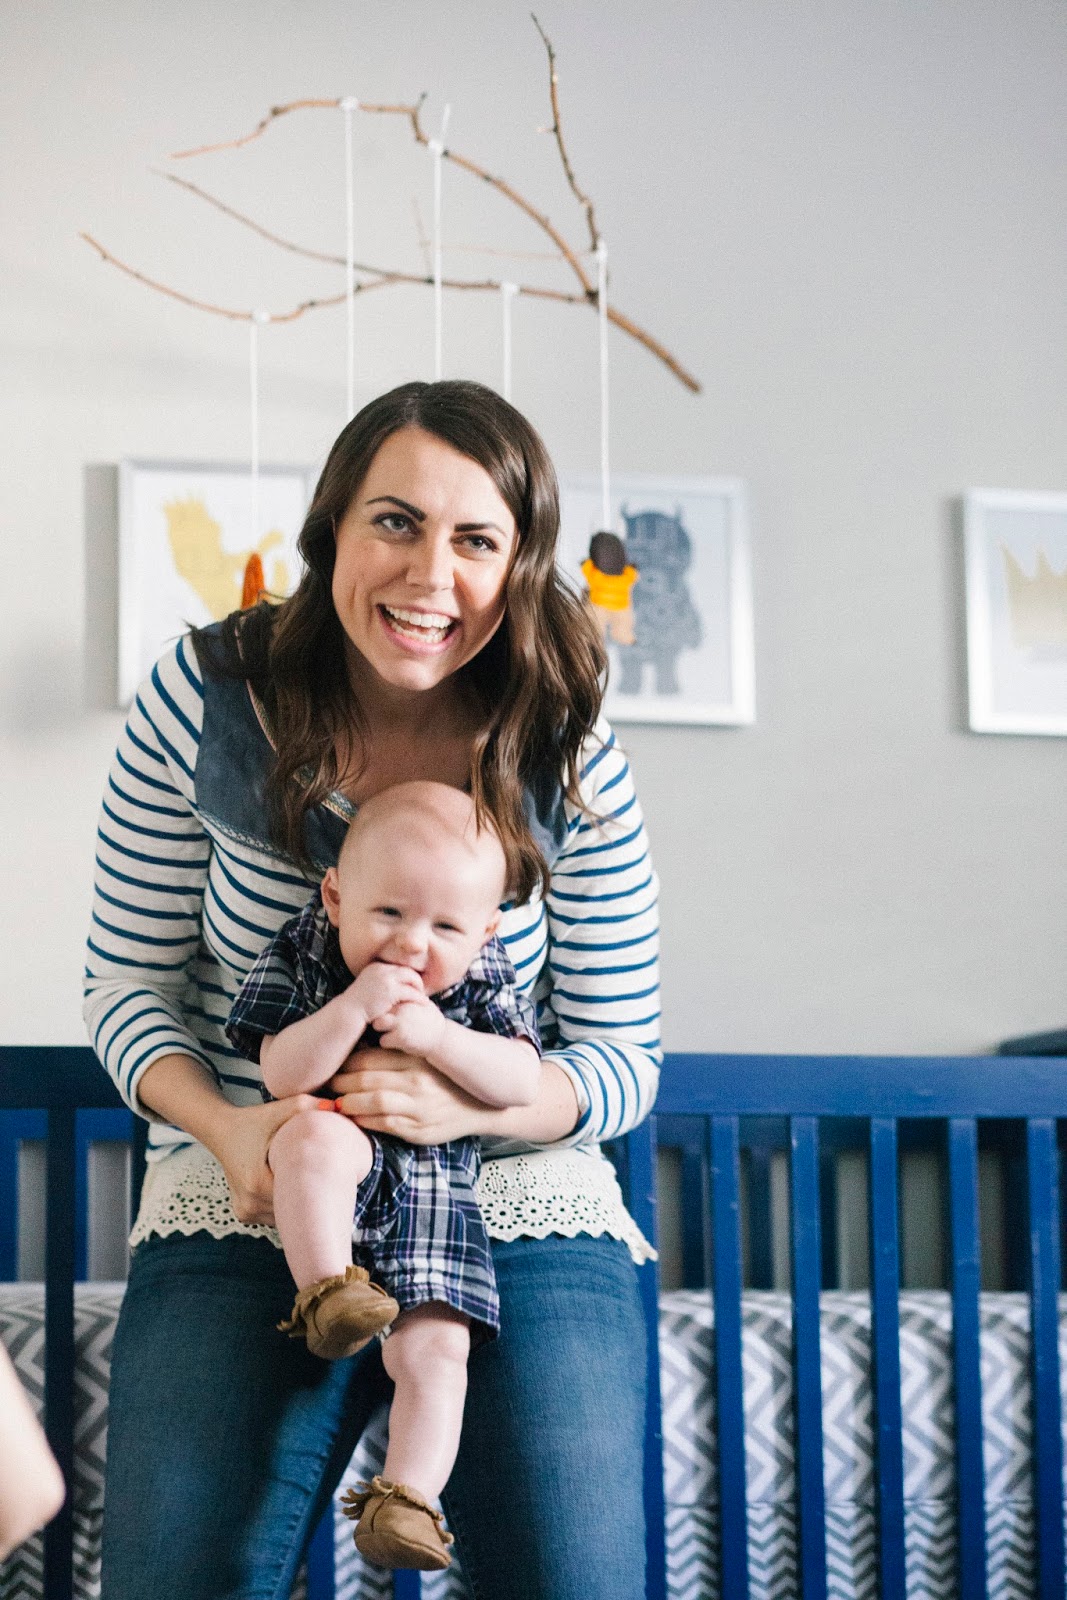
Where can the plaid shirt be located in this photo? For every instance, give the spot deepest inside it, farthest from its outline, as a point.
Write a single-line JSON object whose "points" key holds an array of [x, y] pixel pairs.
{"points": [[418, 1228], [302, 968]]}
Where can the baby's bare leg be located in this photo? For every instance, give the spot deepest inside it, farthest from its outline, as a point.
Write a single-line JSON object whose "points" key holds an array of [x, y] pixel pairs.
{"points": [[426, 1357], [318, 1159]]}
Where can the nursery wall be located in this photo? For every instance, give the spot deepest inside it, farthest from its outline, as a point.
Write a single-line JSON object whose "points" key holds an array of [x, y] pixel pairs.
{"points": [[849, 218]]}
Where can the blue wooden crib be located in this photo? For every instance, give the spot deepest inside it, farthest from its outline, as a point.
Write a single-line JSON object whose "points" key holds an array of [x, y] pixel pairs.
{"points": [[725, 1117]]}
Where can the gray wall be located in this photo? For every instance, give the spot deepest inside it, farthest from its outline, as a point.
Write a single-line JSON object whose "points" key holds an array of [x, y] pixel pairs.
{"points": [[848, 218]]}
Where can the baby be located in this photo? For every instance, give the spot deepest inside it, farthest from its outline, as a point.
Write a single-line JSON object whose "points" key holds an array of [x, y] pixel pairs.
{"points": [[400, 941]]}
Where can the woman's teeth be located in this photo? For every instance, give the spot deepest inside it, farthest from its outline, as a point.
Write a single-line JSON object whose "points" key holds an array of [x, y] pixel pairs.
{"points": [[428, 626]]}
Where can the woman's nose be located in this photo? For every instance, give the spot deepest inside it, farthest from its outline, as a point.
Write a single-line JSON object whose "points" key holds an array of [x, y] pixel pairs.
{"points": [[430, 566]]}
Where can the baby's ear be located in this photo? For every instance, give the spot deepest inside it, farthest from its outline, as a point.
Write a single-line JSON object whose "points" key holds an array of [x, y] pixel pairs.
{"points": [[331, 895], [492, 925]]}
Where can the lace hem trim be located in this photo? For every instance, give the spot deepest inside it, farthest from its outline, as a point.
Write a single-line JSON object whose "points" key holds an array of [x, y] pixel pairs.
{"points": [[569, 1192]]}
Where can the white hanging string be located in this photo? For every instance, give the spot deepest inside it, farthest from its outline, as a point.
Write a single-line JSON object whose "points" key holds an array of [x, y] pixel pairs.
{"points": [[349, 105], [259, 320], [602, 311], [508, 291], [437, 149]]}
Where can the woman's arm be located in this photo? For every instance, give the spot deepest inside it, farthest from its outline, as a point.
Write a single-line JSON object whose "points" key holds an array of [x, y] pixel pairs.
{"points": [[31, 1484], [151, 870], [601, 1013]]}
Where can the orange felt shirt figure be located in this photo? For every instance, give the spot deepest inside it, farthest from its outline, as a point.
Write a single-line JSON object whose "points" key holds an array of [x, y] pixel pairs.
{"points": [[610, 579]]}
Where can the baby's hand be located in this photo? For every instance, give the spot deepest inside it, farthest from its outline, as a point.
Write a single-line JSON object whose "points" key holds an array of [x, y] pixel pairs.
{"points": [[416, 1027], [381, 987]]}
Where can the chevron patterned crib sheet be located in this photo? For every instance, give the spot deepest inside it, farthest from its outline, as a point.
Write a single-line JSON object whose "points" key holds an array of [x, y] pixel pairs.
{"points": [[687, 1365]]}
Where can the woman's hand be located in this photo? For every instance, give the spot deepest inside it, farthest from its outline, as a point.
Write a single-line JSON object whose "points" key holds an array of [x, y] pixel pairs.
{"points": [[389, 1091], [239, 1143]]}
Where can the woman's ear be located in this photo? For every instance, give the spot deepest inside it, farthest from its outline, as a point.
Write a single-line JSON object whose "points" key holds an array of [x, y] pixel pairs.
{"points": [[331, 896]]}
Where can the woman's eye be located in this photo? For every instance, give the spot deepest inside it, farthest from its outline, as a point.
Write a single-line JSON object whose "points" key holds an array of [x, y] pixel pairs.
{"points": [[393, 522], [480, 544]]}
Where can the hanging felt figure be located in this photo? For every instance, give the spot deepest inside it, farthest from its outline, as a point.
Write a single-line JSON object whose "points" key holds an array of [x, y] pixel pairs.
{"points": [[610, 579]]}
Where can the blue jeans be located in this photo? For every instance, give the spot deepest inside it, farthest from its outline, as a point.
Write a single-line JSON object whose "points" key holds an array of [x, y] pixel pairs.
{"points": [[226, 1440]]}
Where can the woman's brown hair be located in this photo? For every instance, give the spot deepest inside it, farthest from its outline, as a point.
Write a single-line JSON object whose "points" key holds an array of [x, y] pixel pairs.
{"points": [[539, 680]]}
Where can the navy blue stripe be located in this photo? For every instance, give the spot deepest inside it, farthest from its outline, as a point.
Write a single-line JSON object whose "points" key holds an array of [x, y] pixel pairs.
{"points": [[602, 972], [264, 872], [598, 947], [141, 938], [167, 745], [153, 755], [138, 966], [170, 890], [603, 899], [142, 911], [613, 997], [154, 861], [191, 677], [143, 805], [152, 833], [173, 707], [250, 894]]}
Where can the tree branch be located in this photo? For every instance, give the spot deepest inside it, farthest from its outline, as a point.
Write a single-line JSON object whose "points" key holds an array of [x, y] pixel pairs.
{"points": [[553, 89], [221, 311], [380, 276]]}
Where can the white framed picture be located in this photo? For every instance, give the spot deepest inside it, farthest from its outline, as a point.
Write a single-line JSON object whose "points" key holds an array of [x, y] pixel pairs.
{"points": [[1016, 582], [670, 586], [186, 539]]}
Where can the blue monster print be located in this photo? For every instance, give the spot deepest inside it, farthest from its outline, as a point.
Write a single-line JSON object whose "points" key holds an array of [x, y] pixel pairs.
{"points": [[666, 621]]}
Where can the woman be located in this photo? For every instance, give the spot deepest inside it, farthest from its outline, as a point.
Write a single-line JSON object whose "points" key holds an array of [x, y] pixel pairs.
{"points": [[429, 637]]}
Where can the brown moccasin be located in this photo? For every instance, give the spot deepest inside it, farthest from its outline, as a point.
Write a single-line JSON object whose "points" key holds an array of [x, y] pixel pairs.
{"points": [[396, 1527], [338, 1316]]}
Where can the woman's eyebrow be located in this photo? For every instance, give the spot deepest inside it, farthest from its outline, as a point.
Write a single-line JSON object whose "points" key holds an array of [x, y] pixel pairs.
{"points": [[395, 500], [420, 516]]}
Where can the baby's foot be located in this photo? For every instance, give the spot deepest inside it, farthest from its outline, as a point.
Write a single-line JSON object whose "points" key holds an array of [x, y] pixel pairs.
{"points": [[338, 1316], [396, 1527]]}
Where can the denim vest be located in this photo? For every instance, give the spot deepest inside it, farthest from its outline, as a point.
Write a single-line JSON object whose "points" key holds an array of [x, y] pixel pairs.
{"points": [[235, 757]]}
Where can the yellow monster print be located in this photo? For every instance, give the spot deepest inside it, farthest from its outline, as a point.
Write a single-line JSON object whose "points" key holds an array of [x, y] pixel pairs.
{"points": [[217, 575]]}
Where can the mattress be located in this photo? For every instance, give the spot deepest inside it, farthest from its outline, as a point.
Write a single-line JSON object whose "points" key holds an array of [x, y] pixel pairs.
{"points": [[687, 1368]]}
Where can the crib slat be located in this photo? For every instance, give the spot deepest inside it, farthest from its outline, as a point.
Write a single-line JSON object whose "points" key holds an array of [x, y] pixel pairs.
{"points": [[966, 1357], [807, 1370], [641, 1173], [1043, 1190], [885, 1320], [59, 1340], [729, 1379]]}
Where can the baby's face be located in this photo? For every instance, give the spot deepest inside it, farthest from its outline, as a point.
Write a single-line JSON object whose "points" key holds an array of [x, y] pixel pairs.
{"points": [[413, 905]]}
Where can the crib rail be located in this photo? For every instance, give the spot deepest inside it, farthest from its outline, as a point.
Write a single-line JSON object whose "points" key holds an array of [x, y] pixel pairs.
{"points": [[58, 1082], [718, 1091], [805, 1101]]}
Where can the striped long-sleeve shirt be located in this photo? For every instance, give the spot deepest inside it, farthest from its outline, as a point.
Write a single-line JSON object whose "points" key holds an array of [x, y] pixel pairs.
{"points": [[182, 909]]}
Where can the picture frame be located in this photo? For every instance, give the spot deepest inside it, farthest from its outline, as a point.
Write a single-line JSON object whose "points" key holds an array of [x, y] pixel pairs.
{"points": [[1015, 561], [682, 651], [185, 536]]}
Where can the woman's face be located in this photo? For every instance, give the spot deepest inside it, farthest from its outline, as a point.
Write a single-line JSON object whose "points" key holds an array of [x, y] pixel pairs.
{"points": [[423, 554]]}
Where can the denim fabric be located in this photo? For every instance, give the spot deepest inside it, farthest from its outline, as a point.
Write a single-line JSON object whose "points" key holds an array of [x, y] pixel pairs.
{"points": [[225, 1439], [234, 758]]}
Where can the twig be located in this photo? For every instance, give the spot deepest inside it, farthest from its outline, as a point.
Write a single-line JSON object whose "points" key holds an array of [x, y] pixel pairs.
{"points": [[220, 311], [553, 89], [282, 111]]}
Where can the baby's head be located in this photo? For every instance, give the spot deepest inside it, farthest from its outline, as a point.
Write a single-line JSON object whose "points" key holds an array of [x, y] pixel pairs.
{"points": [[418, 883]]}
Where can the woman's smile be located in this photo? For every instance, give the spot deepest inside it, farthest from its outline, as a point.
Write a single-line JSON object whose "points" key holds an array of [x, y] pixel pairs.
{"points": [[423, 554]]}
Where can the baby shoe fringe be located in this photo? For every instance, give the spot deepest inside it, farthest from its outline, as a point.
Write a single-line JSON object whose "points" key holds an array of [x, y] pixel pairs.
{"points": [[354, 1502], [296, 1325]]}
